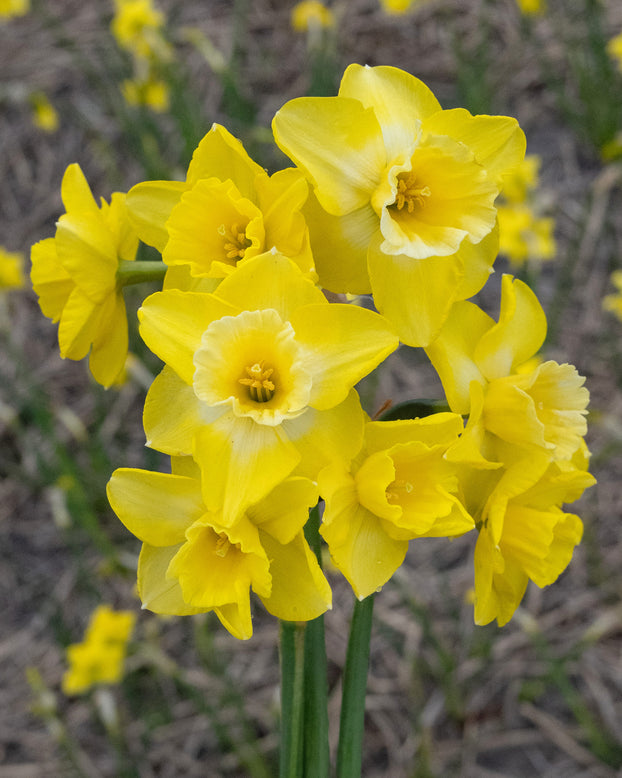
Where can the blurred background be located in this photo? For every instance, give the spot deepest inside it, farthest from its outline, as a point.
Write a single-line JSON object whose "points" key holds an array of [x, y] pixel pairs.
{"points": [[540, 697]]}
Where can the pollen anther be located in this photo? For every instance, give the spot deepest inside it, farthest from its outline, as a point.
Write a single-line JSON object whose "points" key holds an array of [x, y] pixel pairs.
{"points": [[236, 241], [410, 194], [260, 388]]}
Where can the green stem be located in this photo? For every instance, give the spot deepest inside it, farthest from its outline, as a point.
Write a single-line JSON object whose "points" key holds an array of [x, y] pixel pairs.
{"points": [[132, 272], [349, 753], [292, 699], [315, 730]]}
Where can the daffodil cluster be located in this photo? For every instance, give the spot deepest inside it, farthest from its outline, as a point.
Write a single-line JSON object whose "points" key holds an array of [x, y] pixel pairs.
{"points": [[99, 658], [256, 406]]}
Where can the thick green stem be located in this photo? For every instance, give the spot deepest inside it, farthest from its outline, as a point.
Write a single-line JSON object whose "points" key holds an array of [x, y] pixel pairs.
{"points": [[350, 750], [315, 730], [292, 699], [138, 272]]}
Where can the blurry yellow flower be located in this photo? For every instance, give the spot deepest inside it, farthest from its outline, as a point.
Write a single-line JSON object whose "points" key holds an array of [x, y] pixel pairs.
{"points": [[10, 8], [227, 211], [137, 27], [523, 236], [477, 360], [398, 488], [258, 378], [519, 182], [11, 270], [613, 302], [311, 13], [399, 7], [532, 7], [195, 560], [99, 658], [44, 114], [614, 48], [75, 276], [404, 193], [152, 93]]}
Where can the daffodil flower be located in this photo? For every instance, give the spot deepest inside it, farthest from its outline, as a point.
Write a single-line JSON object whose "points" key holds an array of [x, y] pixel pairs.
{"points": [[524, 533], [404, 193], [478, 361], [398, 488], [194, 560], [228, 211], [75, 275], [258, 378]]}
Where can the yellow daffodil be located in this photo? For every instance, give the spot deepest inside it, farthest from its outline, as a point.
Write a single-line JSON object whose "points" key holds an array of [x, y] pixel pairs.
{"points": [[404, 193], [613, 302], [532, 7], [11, 270], [614, 48], [478, 363], [11, 8], [258, 378], [152, 93], [524, 532], [398, 488], [195, 560], [137, 27], [75, 276], [519, 182], [523, 236], [99, 658], [311, 13], [44, 115], [400, 7], [226, 212]]}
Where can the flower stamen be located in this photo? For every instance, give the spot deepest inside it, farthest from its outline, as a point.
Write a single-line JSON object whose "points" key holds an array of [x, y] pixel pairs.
{"points": [[409, 194], [396, 489], [236, 241], [260, 388]]}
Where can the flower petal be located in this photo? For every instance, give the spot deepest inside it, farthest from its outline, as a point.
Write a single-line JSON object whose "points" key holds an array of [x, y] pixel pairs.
{"points": [[300, 591], [157, 592], [50, 281], [400, 102], [156, 507], [341, 344], [172, 323], [284, 512], [338, 144], [415, 295], [75, 191], [149, 205], [109, 350]]}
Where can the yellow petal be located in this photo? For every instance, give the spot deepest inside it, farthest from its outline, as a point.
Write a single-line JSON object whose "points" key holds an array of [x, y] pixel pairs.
{"points": [[399, 100], [50, 281], [236, 618], [452, 353], [415, 295], [284, 512], [157, 592], [300, 591], [499, 584], [517, 336], [437, 429], [497, 141], [477, 261], [241, 461], [149, 205], [87, 251], [339, 245], [79, 324], [269, 280], [340, 344], [168, 432], [172, 323], [109, 350], [323, 436], [221, 155], [156, 507], [338, 144], [76, 192]]}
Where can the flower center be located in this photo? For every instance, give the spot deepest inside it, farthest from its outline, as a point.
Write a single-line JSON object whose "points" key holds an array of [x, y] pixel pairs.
{"points": [[410, 193], [223, 545], [260, 387], [236, 242], [396, 490]]}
